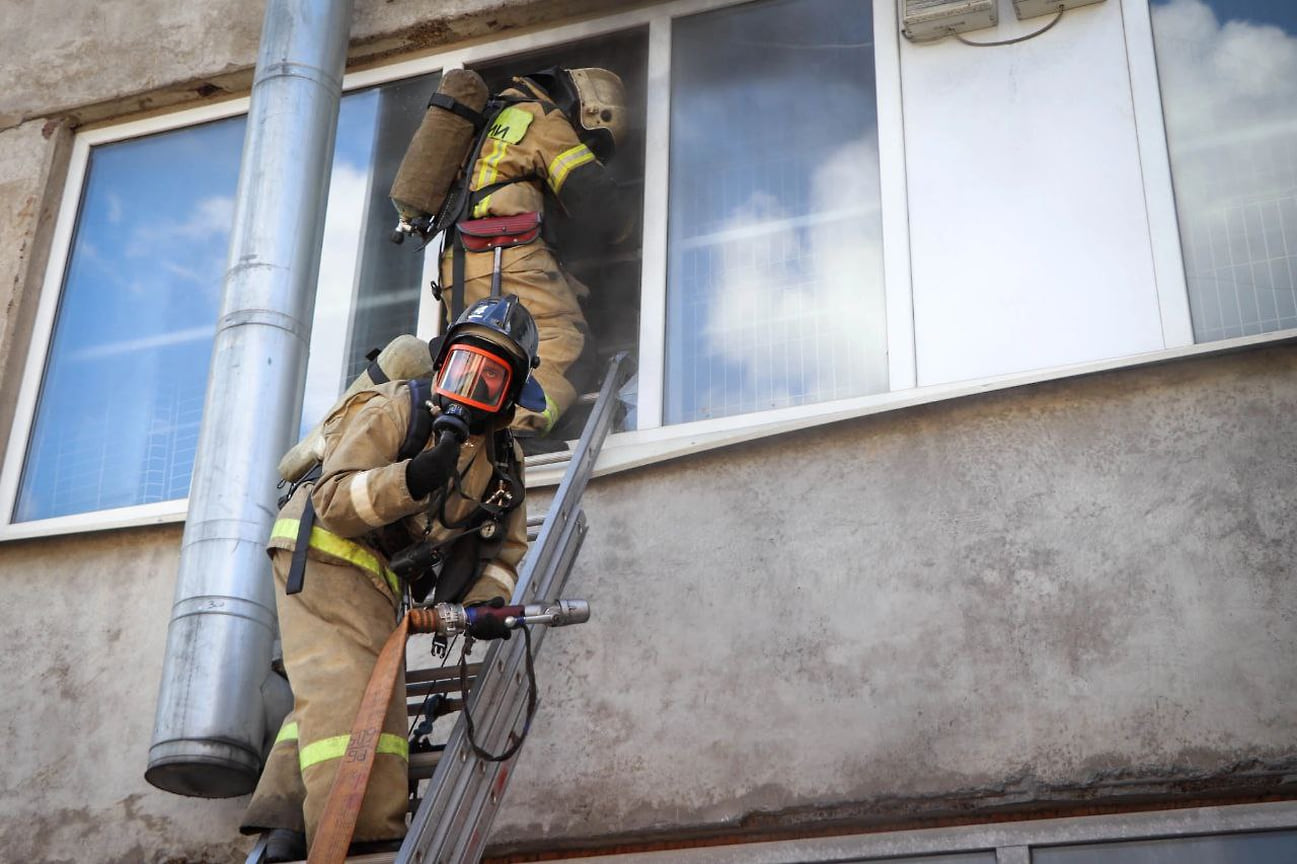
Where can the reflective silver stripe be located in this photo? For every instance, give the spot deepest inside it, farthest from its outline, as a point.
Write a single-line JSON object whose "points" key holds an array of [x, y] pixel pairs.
{"points": [[363, 500], [564, 163]]}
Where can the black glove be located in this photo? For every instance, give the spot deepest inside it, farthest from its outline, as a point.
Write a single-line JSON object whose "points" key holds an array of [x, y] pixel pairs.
{"points": [[488, 625], [431, 469]]}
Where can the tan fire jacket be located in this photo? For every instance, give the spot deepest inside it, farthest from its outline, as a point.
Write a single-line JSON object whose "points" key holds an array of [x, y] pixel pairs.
{"points": [[534, 144], [362, 489]]}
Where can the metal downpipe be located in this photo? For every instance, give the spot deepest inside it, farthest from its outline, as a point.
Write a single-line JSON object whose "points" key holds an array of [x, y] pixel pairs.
{"points": [[212, 728]]}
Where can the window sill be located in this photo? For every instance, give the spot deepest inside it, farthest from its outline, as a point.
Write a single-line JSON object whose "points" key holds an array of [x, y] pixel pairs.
{"points": [[160, 513], [626, 450]]}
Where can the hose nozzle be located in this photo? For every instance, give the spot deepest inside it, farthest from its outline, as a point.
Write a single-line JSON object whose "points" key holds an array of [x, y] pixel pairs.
{"points": [[453, 619], [560, 613]]}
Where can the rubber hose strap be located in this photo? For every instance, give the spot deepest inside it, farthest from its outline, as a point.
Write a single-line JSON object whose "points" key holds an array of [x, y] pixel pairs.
{"points": [[342, 808], [297, 569]]}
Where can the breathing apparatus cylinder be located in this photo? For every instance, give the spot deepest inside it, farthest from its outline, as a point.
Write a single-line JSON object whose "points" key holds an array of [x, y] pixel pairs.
{"points": [[404, 357], [438, 149]]}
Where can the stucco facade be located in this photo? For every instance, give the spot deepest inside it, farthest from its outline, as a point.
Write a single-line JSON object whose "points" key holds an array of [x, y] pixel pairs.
{"points": [[1053, 598]]}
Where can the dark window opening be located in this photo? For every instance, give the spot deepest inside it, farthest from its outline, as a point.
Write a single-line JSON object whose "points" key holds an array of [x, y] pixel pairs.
{"points": [[612, 274]]}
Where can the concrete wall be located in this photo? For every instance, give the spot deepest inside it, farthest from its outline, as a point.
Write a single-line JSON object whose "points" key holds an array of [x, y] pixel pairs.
{"points": [[1075, 592], [85, 624], [97, 60]]}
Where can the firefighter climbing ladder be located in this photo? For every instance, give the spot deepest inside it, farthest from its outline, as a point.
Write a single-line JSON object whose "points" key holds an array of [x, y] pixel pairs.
{"points": [[454, 818]]}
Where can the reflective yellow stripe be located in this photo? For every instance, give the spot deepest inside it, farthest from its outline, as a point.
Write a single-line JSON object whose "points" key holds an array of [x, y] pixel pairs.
{"points": [[482, 208], [336, 747], [489, 165], [339, 547], [550, 414], [510, 125], [288, 732], [564, 164]]}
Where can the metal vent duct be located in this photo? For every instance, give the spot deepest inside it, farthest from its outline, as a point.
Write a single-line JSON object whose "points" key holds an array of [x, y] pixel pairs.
{"points": [[212, 724]]}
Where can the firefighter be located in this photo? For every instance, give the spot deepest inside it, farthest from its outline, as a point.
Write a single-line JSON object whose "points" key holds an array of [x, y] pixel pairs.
{"points": [[456, 504], [546, 148]]}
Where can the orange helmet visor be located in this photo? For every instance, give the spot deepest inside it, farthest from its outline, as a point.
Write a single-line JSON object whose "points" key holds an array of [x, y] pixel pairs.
{"points": [[475, 377]]}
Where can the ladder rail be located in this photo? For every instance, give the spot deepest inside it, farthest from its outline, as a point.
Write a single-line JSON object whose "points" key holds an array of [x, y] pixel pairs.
{"points": [[461, 790], [451, 824], [467, 845], [575, 478]]}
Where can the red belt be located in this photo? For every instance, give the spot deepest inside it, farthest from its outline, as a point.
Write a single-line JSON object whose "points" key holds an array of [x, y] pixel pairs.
{"points": [[499, 232]]}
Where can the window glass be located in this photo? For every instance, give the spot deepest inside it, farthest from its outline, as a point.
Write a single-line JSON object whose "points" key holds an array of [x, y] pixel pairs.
{"points": [[1279, 847], [775, 290], [369, 289], [122, 395], [133, 334], [1228, 73], [373, 132]]}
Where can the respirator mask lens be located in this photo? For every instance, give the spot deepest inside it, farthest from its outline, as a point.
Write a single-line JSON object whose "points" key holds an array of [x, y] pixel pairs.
{"points": [[474, 377]]}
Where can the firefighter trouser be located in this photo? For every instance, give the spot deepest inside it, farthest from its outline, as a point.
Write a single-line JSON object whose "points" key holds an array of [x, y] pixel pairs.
{"points": [[550, 295], [332, 632]]}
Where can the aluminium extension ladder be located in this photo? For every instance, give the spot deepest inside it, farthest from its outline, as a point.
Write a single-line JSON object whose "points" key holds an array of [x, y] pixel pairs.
{"points": [[464, 792]]}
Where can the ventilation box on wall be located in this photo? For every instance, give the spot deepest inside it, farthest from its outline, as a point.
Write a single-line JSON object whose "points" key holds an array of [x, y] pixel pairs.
{"points": [[932, 19], [1036, 8]]}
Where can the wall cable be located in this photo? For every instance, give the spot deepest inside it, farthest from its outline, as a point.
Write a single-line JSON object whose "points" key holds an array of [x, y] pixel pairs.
{"points": [[1023, 38]]}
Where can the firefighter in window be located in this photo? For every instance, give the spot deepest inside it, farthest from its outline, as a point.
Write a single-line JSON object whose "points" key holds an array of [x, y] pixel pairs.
{"points": [[420, 489], [540, 147]]}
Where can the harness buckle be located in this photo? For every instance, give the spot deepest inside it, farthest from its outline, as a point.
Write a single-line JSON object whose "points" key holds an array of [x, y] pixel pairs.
{"points": [[501, 497]]}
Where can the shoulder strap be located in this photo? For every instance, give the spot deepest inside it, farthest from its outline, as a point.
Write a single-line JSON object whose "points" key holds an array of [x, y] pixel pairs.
{"points": [[376, 373], [297, 568], [419, 429], [504, 463], [457, 198], [453, 105]]}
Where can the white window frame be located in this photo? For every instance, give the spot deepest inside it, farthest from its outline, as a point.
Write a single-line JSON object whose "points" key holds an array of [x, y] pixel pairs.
{"points": [[43, 333], [652, 441]]}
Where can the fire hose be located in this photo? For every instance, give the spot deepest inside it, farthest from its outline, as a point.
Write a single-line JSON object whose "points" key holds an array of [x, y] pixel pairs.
{"points": [[342, 807]]}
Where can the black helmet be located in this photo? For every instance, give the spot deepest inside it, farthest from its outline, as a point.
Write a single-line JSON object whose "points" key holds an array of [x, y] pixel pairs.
{"points": [[502, 327]]}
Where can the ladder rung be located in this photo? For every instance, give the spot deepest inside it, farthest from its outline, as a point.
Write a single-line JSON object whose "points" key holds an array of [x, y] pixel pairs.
{"points": [[423, 764], [374, 858], [441, 680], [449, 706], [555, 458], [439, 673]]}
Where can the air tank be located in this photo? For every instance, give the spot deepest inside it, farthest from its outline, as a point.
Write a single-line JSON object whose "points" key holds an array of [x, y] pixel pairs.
{"points": [[438, 148]]}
